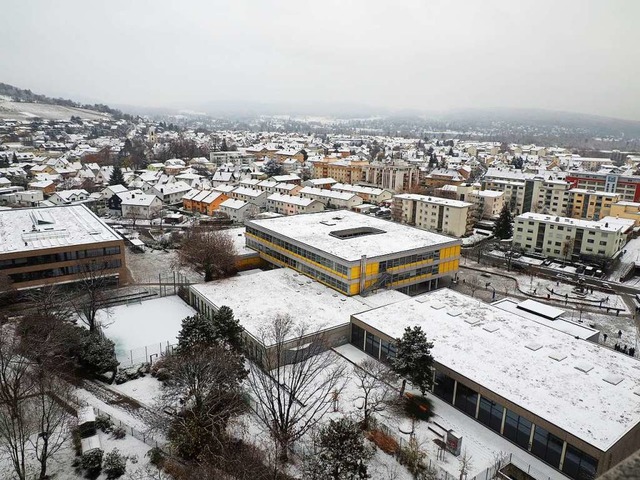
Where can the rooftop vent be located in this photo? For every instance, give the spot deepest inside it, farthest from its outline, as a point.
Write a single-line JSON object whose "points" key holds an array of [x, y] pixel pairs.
{"points": [[613, 378], [557, 356], [584, 367], [533, 346]]}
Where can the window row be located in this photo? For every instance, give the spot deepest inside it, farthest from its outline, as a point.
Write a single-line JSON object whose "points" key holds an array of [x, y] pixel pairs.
{"points": [[314, 257], [58, 257], [544, 445]]}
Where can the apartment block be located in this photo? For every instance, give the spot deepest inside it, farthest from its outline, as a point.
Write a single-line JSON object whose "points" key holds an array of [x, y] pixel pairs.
{"points": [[451, 217], [627, 186], [569, 238], [590, 204], [398, 176]]}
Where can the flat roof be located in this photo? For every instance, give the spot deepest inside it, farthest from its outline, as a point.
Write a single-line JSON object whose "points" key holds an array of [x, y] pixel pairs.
{"points": [[28, 229], [257, 298], [538, 368], [314, 230], [575, 222], [434, 200]]}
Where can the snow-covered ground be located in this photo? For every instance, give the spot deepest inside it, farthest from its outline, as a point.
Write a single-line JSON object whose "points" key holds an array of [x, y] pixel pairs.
{"points": [[26, 111], [60, 466], [148, 266], [152, 324]]}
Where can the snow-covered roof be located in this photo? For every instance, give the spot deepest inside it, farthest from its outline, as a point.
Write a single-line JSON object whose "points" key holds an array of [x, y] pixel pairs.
{"points": [[138, 199], [589, 224], [233, 204], [283, 291], [330, 194], [315, 231], [28, 229], [517, 358], [434, 200], [290, 199]]}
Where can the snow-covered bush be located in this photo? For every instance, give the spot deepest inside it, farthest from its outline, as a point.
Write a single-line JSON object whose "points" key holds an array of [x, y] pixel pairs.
{"points": [[92, 463], [104, 423], [115, 464], [118, 433]]}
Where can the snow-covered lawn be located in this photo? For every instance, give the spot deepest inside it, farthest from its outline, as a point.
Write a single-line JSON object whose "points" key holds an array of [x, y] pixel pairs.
{"points": [[151, 323]]}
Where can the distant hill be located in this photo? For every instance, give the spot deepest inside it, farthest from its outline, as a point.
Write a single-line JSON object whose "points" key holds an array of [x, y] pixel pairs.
{"points": [[24, 103]]}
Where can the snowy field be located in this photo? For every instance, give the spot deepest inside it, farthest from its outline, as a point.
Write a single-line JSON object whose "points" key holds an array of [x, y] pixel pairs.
{"points": [[27, 111], [151, 324]]}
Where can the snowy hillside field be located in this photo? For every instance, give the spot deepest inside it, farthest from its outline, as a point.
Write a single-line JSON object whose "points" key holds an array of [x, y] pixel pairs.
{"points": [[27, 111]]}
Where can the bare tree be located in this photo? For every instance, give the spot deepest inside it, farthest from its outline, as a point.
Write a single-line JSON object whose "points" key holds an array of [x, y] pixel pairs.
{"points": [[50, 302], [204, 386], [465, 464], [296, 382], [374, 380], [474, 283], [15, 387], [93, 294], [51, 419], [208, 251]]}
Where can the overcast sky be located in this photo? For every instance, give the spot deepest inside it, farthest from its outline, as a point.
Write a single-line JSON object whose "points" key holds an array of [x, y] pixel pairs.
{"points": [[574, 55]]}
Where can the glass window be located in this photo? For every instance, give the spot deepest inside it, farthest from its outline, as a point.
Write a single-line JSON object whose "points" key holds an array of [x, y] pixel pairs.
{"points": [[579, 465], [466, 399], [443, 387], [517, 429], [387, 351], [357, 336], [490, 414], [547, 446], [372, 345]]}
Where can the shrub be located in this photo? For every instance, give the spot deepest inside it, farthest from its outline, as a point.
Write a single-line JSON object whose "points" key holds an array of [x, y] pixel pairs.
{"points": [[418, 407], [118, 433], [92, 463], [156, 456], [77, 441], [384, 442], [104, 423], [412, 457], [114, 464]]}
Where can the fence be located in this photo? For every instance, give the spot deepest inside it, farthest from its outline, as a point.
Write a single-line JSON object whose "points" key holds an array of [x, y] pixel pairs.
{"points": [[489, 473], [143, 437], [146, 354]]}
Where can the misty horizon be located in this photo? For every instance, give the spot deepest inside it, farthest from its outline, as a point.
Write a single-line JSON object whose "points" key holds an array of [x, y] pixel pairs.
{"points": [[418, 57]]}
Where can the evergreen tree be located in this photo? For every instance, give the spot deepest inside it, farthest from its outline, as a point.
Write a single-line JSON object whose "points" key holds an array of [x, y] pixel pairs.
{"points": [[272, 168], [197, 331], [343, 453], [224, 147], [227, 328], [503, 227], [117, 178], [413, 359]]}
